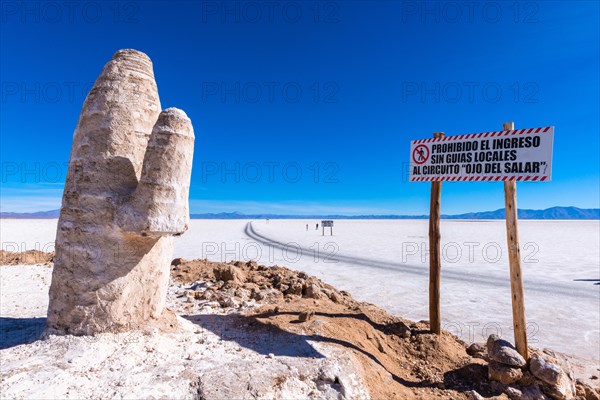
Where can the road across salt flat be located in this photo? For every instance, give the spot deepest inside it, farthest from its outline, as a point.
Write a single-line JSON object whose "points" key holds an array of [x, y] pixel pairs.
{"points": [[462, 276]]}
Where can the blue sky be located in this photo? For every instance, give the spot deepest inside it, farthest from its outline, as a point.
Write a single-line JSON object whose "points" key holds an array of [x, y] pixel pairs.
{"points": [[310, 107]]}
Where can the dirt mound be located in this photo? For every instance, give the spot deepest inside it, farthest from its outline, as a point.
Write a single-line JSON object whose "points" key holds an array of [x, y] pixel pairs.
{"points": [[29, 257], [238, 283], [401, 358]]}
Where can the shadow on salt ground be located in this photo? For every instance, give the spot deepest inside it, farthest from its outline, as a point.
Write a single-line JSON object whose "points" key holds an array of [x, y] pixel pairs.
{"points": [[265, 338], [16, 331], [256, 335]]}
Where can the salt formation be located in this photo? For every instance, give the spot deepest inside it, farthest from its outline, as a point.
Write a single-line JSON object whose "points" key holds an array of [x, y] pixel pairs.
{"points": [[125, 197]]}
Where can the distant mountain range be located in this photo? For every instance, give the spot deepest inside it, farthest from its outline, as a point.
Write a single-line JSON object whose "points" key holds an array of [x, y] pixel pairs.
{"points": [[33, 215], [549, 213]]}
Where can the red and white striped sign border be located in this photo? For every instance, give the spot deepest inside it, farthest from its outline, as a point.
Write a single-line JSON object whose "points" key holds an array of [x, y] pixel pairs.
{"points": [[480, 179], [483, 134]]}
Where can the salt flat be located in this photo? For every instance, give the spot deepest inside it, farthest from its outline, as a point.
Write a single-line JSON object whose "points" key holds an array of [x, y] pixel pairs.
{"points": [[385, 262]]}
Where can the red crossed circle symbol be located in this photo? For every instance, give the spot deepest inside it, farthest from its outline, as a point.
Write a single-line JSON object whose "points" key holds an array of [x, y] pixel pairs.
{"points": [[420, 154]]}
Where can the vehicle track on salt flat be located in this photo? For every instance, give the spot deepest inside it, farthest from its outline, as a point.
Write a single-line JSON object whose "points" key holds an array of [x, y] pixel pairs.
{"points": [[476, 278]]}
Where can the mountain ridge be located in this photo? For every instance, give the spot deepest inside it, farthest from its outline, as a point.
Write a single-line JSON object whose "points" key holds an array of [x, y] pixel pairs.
{"points": [[552, 213]]}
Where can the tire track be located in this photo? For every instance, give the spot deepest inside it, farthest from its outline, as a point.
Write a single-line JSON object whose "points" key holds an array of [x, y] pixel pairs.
{"points": [[546, 288]]}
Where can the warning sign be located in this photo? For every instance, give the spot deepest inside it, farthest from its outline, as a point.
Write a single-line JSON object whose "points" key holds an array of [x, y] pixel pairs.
{"points": [[420, 154], [520, 155]]}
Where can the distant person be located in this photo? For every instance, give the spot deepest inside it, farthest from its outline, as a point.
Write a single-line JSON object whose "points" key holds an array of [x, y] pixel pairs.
{"points": [[317, 228], [306, 226]]}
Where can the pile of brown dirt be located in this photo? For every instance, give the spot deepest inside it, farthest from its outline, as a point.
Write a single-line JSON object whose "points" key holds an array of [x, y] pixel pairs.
{"points": [[402, 359], [29, 257], [233, 284]]}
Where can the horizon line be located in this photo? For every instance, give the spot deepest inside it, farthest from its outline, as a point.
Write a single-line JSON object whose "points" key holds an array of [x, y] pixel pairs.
{"points": [[53, 213]]}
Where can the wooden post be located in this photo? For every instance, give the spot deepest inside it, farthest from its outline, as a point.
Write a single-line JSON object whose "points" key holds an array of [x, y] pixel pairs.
{"points": [[435, 263], [514, 257]]}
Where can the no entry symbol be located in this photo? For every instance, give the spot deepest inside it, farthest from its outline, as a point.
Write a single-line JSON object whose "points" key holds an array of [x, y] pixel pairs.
{"points": [[420, 154]]}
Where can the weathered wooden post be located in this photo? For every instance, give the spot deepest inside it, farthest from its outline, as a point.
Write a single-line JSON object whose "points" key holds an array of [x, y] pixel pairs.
{"points": [[435, 262], [509, 155], [514, 258]]}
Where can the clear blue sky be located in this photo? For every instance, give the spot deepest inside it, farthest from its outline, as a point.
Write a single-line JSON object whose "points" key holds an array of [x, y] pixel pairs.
{"points": [[278, 89]]}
